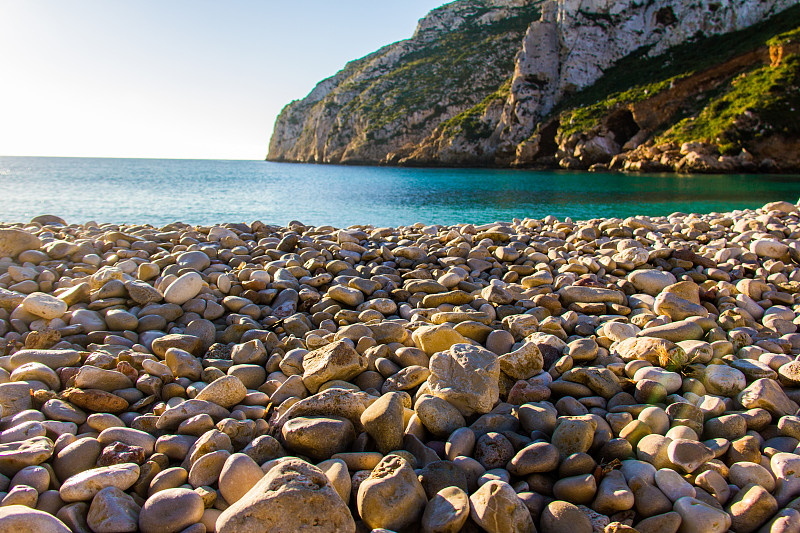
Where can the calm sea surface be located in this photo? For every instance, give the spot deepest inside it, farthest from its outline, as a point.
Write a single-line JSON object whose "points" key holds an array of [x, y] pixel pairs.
{"points": [[205, 192]]}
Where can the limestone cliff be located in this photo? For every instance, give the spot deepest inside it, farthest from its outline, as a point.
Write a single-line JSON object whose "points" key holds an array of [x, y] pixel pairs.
{"points": [[488, 82], [396, 96]]}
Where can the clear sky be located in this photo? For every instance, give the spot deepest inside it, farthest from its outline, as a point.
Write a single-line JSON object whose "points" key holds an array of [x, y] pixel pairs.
{"points": [[174, 78]]}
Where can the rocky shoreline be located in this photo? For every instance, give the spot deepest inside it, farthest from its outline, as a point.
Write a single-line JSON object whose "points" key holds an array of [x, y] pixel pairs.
{"points": [[537, 375], [596, 151]]}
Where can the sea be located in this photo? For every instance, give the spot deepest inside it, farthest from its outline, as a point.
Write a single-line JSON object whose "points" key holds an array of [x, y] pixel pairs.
{"points": [[207, 192]]}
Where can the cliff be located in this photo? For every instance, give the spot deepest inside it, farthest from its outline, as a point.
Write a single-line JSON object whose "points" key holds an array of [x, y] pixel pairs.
{"points": [[570, 83], [399, 94]]}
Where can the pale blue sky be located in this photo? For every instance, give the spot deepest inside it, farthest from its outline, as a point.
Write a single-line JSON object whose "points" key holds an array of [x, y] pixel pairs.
{"points": [[174, 78]]}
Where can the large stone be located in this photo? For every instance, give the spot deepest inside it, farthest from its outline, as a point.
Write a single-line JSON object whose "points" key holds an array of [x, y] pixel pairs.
{"points": [[587, 295], [768, 394], [391, 497], [292, 496], [129, 436], [96, 400], [346, 295], [446, 512], [432, 339], [172, 417], [785, 521], [14, 456], [76, 457], [661, 523], [16, 397], [189, 343], [210, 441], [722, 380], [651, 282], [143, 293], [22, 519], [88, 320], [538, 457], [85, 485], [750, 508], [467, 377], [677, 308], [745, 472], [184, 288], [238, 475], [37, 372], [602, 381], [520, 326], [493, 450], [196, 260], [682, 330], [769, 248], [226, 392], [438, 475], [688, 455], [337, 360], [10, 300], [318, 437], [497, 509], [45, 306], [688, 290], [170, 511], [523, 363], [183, 364], [574, 435], [92, 377], [52, 358], [438, 416], [657, 351], [786, 467], [207, 468], [113, 511], [563, 517], [331, 402], [14, 241], [613, 494], [673, 485], [701, 517], [383, 421]]}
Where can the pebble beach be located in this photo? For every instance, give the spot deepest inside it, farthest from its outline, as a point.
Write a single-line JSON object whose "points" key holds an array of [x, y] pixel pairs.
{"points": [[539, 375]]}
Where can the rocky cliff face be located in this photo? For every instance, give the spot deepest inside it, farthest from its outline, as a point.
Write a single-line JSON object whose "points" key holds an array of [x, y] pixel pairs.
{"points": [[412, 103], [396, 96]]}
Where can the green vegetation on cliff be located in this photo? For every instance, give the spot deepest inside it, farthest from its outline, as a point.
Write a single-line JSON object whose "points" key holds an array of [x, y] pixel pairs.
{"points": [[763, 101], [438, 74], [469, 122]]}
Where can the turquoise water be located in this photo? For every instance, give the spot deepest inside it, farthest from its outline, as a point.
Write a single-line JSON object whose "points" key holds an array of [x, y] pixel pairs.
{"points": [[206, 192]]}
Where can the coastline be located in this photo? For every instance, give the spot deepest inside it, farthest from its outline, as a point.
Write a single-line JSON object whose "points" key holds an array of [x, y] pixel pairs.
{"points": [[611, 373], [691, 158]]}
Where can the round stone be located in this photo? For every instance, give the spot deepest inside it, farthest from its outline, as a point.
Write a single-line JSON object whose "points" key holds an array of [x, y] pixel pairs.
{"points": [[45, 306], [170, 511], [85, 485], [391, 497], [446, 512], [238, 475], [563, 517], [21, 519], [184, 288]]}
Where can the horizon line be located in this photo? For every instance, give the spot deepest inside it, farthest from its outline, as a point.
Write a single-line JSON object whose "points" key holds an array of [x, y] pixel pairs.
{"points": [[134, 157]]}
